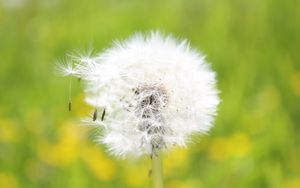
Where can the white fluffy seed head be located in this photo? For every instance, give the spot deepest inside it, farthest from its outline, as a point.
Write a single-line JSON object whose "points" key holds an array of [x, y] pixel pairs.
{"points": [[156, 92]]}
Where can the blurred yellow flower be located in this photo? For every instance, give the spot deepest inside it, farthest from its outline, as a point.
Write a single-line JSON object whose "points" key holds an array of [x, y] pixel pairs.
{"points": [[238, 145], [101, 166], [241, 144], [8, 180], [219, 149], [295, 83], [175, 159], [66, 150], [292, 183], [184, 184], [137, 175], [8, 131], [175, 184]]}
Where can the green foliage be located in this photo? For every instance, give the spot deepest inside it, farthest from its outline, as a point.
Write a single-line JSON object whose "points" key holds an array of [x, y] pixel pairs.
{"points": [[253, 46]]}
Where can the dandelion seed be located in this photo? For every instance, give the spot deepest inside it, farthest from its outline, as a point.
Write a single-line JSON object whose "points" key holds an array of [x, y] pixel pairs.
{"points": [[103, 114], [158, 92], [70, 106], [67, 69], [70, 94], [149, 172], [95, 115]]}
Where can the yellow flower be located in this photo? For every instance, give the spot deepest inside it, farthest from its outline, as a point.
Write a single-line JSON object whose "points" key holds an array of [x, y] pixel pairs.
{"points": [[101, 166], [8, 180], [238, 145], [219, 149], [174, 160], [8, 131], [295, 83], [66, 150], [292, 183], [241, 145], [184, 184], [137, 175]]}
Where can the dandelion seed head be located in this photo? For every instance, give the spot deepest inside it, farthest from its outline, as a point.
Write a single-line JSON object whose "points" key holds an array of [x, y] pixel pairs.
{"points": [[157, 92]]}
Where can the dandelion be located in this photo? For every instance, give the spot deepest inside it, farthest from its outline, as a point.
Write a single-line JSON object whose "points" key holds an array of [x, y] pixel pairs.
{"points": [[154, 91]]}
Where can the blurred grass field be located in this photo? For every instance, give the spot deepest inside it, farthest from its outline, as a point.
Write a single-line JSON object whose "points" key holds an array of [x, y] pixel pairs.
{"points": [[254, 47]]}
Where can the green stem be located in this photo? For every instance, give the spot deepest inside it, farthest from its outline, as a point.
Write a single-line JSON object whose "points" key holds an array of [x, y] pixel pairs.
{"points": [[157, 171]]}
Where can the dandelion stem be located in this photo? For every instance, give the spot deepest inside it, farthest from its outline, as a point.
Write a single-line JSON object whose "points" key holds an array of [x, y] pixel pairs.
{"points": [[157, 171]]}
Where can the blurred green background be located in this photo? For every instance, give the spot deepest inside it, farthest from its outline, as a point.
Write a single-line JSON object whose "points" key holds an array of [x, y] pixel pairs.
{"points": [[253, 46]]}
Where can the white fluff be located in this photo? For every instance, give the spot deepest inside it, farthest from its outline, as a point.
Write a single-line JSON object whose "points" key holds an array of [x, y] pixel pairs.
{"points": [[156, 90]]}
